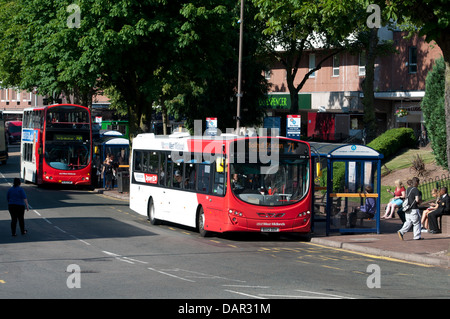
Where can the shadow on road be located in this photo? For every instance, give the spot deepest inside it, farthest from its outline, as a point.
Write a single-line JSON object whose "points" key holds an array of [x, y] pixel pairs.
{"points": [[74, 228]]}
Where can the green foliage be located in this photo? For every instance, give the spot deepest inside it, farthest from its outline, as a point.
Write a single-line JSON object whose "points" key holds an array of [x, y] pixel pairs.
{"points": [[391, 141], [295, 26], [432, 19], [433, 108], [181, 55]]}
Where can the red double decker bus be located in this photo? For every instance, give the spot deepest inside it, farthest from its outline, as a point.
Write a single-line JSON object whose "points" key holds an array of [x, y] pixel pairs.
{"points": [[224, 183], [56, 145]]}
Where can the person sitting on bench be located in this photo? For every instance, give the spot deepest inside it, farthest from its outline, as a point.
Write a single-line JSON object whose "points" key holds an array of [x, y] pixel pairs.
{"points": [[367, 210], [443, 209]]}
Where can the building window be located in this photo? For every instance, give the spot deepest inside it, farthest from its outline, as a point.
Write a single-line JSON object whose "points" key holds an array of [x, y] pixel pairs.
{"points": [[336, 65], [362, 64], [4, 95], [412, 61], [15, 96], [312, 64], [26, 96]]}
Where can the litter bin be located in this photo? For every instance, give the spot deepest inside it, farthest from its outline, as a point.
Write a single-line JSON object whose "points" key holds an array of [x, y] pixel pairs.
{"points": [[123, 182]]}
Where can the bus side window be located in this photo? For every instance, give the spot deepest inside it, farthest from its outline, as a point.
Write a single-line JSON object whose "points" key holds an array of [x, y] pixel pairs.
{"points": [[178, 175], [153, 164], [219, 181], [138, 161], [145, 163], [190, 176], [169, 176], [203, 178], [163, 169]]}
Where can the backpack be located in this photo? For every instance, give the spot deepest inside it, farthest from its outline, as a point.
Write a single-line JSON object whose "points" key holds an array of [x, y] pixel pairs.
{"points": [[406, 205]]}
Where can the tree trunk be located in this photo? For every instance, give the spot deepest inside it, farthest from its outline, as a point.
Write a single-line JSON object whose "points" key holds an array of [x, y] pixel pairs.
{"points": [[294, 101], [164, 117], [369, 110]]}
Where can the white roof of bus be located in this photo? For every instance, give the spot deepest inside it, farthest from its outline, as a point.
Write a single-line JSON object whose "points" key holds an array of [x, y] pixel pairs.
{"points": [[177, 141]]}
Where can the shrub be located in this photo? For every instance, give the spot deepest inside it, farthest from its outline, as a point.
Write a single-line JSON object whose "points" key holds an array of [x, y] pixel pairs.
{"points": [[391, 141], [433, 107]]}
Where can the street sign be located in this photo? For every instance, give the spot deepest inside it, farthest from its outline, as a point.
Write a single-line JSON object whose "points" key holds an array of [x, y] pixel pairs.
{"points": [[211, 126], [293, 126]]}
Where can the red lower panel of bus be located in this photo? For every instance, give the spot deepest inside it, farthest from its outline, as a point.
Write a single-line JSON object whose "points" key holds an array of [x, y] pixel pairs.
{"points": [[301, 225], [218, 220], [67, 179]]}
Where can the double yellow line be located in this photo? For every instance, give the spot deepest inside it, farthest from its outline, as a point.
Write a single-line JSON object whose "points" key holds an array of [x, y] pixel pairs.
{"points": [[372, 256]]}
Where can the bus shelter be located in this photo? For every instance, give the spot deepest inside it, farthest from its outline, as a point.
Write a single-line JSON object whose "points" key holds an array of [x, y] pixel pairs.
{"points": [[116, 146], [350, 187]]}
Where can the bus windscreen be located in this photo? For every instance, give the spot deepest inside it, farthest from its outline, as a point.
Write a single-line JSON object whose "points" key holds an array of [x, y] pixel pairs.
{"points": [[67, 151], [269, 172], [282, 183]]}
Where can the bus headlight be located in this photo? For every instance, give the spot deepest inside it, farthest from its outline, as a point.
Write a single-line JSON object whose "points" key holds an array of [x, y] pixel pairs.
{"points": [[233, 214], [303, 214]]}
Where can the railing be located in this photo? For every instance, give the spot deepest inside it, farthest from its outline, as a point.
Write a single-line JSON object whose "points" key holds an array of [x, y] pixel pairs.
{"points": [[426, 185]]}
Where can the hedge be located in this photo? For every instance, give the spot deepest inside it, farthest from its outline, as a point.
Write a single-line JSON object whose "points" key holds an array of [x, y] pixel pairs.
{"points": [[392, 141]]}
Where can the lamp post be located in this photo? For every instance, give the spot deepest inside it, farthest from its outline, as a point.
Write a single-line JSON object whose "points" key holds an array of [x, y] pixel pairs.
{"points": [[241, 41]]}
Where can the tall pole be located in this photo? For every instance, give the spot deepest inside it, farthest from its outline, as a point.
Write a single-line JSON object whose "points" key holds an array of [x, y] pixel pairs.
{"points": [[241, 42]]}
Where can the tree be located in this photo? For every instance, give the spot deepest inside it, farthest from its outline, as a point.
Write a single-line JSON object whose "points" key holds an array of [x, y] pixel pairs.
{"points": [[371, 47], [39, 51], [296, 27], [328, 27], [433, 108], [432, 19], [203, 80], [176, 54]]}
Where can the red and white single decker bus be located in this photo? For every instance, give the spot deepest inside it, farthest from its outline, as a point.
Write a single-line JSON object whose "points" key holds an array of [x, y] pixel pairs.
{"points": [[56, 145], [223, 184]]}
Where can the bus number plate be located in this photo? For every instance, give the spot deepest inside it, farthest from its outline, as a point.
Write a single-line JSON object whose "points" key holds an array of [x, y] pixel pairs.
{"points": [[270, 230], [66, 182]]}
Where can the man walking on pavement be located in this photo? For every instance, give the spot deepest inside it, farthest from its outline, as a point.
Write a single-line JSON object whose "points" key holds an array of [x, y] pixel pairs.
{"points": [[412, 215]]}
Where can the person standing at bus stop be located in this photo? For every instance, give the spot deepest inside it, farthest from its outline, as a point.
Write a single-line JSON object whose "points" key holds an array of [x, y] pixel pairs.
{"points": [[17, 201]]}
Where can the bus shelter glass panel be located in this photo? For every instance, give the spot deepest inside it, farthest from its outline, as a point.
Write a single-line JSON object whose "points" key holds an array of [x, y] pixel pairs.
{"points": [[352, 201]]}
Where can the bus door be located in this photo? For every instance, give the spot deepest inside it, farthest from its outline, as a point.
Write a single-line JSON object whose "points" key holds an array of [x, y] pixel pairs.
{"points": [[215, 212], [165, 180], [40, 155], [178, 199]]}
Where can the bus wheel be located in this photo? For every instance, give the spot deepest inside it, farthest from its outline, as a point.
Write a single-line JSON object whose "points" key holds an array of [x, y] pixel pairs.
{"points": [[201, 223], [151, 213]]}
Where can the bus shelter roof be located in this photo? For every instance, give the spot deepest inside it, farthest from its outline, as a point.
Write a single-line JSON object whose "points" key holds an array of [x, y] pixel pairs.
{"points": [[343, 151]]}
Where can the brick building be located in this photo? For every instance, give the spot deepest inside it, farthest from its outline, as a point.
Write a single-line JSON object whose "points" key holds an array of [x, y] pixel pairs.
{"points": [[335, 92]]}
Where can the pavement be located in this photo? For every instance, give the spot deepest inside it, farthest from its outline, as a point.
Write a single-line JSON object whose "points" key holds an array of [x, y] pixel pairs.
{"points": [[433, 250]]}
